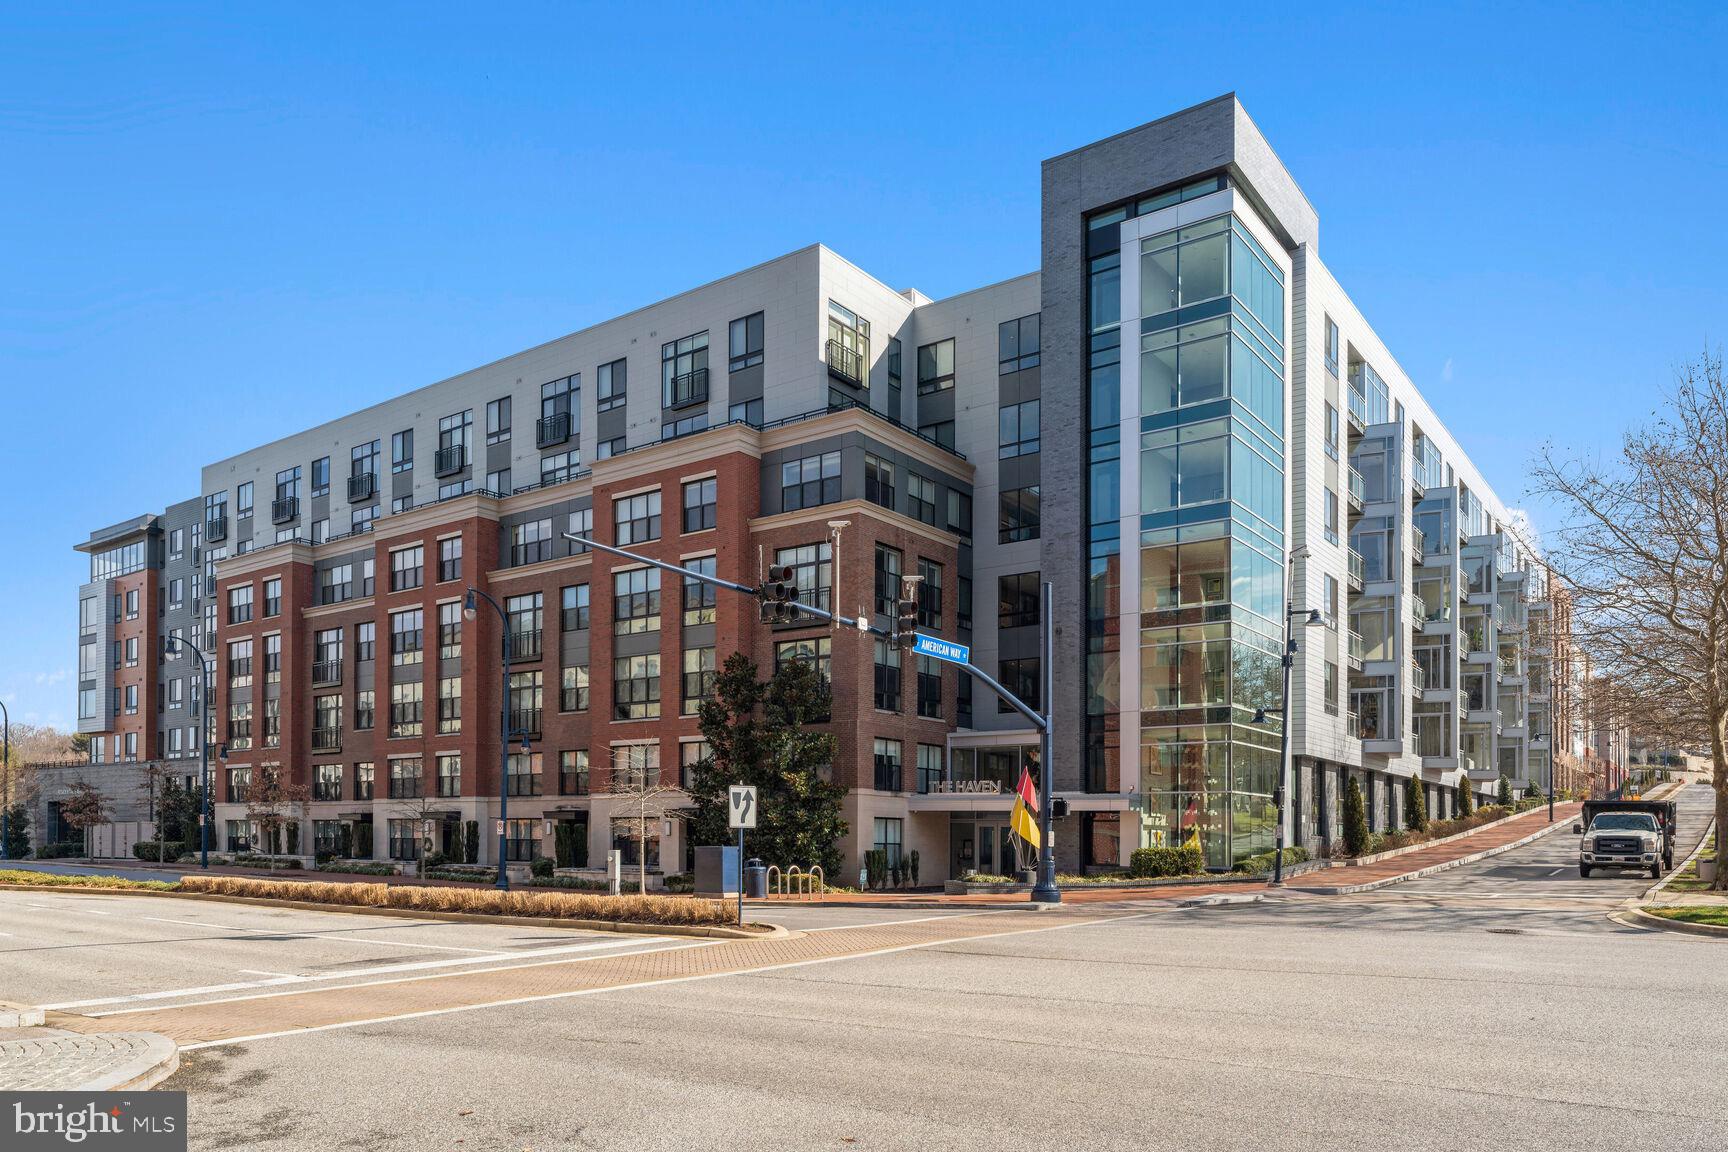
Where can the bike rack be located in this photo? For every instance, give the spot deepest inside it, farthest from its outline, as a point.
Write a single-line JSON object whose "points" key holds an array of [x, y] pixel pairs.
{"points": [[797, 884]]}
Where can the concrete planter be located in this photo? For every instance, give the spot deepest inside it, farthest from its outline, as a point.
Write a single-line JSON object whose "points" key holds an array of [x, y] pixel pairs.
{"points": [[1706, 870]]}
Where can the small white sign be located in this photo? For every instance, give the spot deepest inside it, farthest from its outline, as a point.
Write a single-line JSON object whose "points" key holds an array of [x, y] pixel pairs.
{"points": [[741, 806]]}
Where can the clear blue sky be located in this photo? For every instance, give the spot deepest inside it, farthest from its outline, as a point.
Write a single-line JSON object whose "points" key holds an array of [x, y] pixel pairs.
{"points": [[219, 224]]}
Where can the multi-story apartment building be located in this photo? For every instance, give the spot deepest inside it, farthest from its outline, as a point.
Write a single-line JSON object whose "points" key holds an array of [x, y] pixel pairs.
{"points": [[803, 412]]}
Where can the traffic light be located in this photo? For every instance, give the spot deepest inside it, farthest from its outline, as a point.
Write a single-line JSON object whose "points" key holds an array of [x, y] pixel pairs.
{"points": [[902, 633], [1058, 807], [779, 594]]}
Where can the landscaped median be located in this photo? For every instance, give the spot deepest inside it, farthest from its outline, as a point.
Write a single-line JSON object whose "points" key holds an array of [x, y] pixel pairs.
{"points": [[577, 909]]}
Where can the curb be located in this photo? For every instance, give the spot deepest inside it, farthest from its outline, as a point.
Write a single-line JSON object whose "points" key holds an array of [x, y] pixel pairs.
{"points": [[1681, 867], [1443, 866], [159, 1060], [162, 1061], [714, 932], [19, 1016], [1394, 853], [1221, 900], [1635, 917]]}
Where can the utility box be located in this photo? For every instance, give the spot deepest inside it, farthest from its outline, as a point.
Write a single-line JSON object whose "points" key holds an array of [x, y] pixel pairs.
{"points": [[717, 874], [615, 871]]}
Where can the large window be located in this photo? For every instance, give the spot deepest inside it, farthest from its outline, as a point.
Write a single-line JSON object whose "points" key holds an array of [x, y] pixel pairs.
{"points": [[573, 608], [848, 345], [1021, 678], [635, 601], [700, 597], [878, 481], [701, 504], [929, 687], [1018, 598], [407, 567], [816, 651], [887, 578], [930, 595], [684, 371], [449, 705], [637, 518], [450, 559], [527, 617], [1184, 466], [573, 689], [699, 674], [744, 342], [526, 697], [1017, 344], [809, 482], [405, 710], [449, 774], [240, 604], [573, 772], [636, 687], [921, 497], [1017, 429], [1019, 519], [611, 382], [935, 367], [402, 450], [498, 420], [812, 571], [405, 779], [1194, 574], [887, 764], [522, 773], [887, 677], [406, 636], [530, 542]]}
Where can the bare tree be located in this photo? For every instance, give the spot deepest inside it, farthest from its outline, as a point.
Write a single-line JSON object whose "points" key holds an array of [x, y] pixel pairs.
{"points": [[156, 774], [423, 810], [642, 800], [1643, 544], [85, 808], [271, 801]]}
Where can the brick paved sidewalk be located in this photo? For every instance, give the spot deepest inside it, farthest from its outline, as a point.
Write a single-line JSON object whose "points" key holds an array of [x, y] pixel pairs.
{"points": [[1098, 894], [54, 1060], [1472, 845]]}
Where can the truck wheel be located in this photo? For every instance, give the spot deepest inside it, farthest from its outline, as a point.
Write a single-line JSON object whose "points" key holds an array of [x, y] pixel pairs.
{"points": [[1656, 870], [1584, 871]]}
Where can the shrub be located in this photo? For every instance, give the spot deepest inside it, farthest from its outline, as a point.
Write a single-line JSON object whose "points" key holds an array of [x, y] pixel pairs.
{"points": [[1260, 864], [913, 861], [481, 901], [677, 882], [56, 880], [434, 860], [1503, 792], [1415, 806], [1355, 820], [986, 878], [471, 843], [583, 884], [1150, 863], [358, 868], [1466, 802], [564, 843], [363, 841], [59, 850], [322, 857], [151, 850], [541, 868], [344, 840]]}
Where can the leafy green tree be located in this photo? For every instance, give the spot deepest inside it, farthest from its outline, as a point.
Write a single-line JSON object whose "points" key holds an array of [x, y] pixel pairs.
{"points": [[1466, 800], [764, 732], [1355, 820], [17, 832], [1503, 792], [1415, 806]]}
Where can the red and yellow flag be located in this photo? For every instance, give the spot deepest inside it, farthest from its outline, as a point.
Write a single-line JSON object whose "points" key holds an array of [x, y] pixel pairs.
{"points": [[1023, 820]]}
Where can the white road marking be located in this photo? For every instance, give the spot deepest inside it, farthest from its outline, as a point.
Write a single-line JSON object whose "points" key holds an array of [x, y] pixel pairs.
{"points": [[260, 972], [914, 920], [383, 969], [640, 984]]}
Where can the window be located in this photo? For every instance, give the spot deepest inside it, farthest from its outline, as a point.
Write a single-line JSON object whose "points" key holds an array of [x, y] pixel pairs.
{"points": [[243, 501], [1330, 595], [450, 630], [327, 782], [401, 504], [691, 756], [573, 607], [526, 616], [364, 634], [701, 504], [817, 651], [363, 777], [455, 437], [450, 559], [812, 571], [405, 784], [406, 565], [935, 367], [887, 763], [239, 722], [635, 601], [530, 542], [522, 774], [335, 583], [498, 420], [810, 481], [573, 689], [637, 518], [848, 345], [402, 450], [131, 702], [1017, 429], [498, 482], [929, 687], [176, 543], [558, 467], [1017, 344], [887, 674], [942, 432], [921, 498], [449, 705], [1332, 344], [405, 637], [361, 519], [1018, 598], [449, 774], [1331, 430], [176, 592], [1021, 678], [559, 410], [326, 723], [607, 449], [239, 664], [744, 342], [635, 766], [684, 371], [636, 687], [326, 656], [272, 735], [405, 710], [699, 674], [1183, 467], [581, 523], [240, 604], [320, 530], [699, 595], [365, 712], [1331, 688], [1019, 515], [573, 773], [404, 837], [611, 383], [1331, 513], [878, 481], [929, 594], [887, 569], [131, 651], [894, 365], [750, 412]]}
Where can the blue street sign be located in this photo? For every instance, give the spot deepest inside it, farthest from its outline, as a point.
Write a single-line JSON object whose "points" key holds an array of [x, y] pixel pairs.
{"points": [[941, 649]]}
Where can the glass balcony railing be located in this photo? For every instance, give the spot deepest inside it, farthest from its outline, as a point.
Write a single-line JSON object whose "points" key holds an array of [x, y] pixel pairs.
{"points": [[1418, 542], [1358, 409], [1353, 724], [1358, 570], [1357, 489], [1356, 650], [1418, 609], [1418, 678]]}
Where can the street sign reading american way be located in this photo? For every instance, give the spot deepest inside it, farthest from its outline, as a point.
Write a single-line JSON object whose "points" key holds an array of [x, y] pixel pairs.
{"points": [[942, 649]]}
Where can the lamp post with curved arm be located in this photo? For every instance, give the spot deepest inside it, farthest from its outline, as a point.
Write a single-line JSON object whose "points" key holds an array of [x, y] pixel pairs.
{"points": [[206, 673], [6, 792], [470, 610]]}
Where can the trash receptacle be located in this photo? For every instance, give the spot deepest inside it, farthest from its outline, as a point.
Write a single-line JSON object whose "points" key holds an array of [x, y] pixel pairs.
{"points": [[755, 879]]}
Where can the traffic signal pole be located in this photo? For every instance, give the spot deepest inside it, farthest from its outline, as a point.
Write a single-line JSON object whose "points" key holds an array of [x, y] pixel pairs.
{"points": [[1045, 890]]}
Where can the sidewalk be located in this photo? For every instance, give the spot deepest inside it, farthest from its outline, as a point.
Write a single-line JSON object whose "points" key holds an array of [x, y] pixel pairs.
{"points": [[1078, 895], [54, 1060], [1489, 840]]}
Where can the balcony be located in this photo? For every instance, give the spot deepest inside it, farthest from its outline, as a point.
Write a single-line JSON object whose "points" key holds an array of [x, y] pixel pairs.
{"points": [[326, 739], [525, 645], [550, 431], [1357, 491], [845, 364], [1418, 610], [362, 487], [1353, 725], [524, 721], [1358, 421], [687, 388], [285, 509], [1418, 543], [1418, 679], [449, 461], [1358, 571], [326, 672], [1355, 651], [216, 529]]}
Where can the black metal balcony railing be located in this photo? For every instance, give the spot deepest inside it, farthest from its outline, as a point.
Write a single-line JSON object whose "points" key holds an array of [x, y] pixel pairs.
{"points": [[327, 672], [284, 510], [327, 790], [553, 429], [326, 739], [887, 777], [688, 388], [525, 720], [846, 363], [216, 529], [362, 487], [449, 461], [525, 645]]}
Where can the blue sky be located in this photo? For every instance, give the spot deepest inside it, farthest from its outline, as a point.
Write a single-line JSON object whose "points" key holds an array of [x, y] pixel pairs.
{"points": [[221, 224]]}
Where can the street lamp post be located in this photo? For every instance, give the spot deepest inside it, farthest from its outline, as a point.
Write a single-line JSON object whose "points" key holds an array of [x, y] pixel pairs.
{"points": [[206, 671], [1283, 710], [6, 792], [1548, 737], [470, 610]]}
